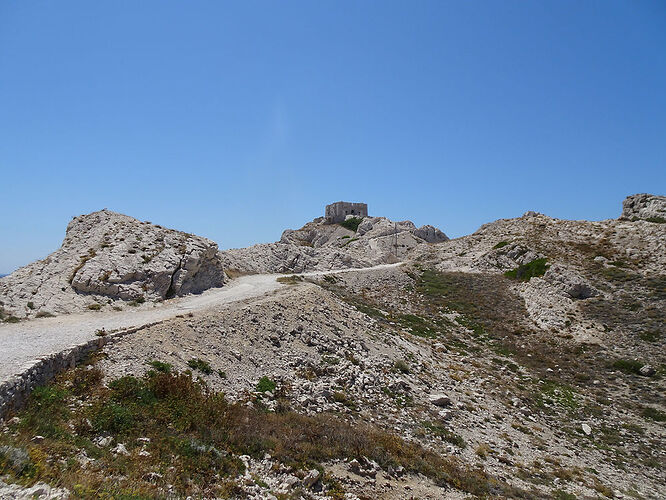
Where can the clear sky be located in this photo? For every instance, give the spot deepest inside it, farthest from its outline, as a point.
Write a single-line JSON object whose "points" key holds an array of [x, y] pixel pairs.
{"points": [[236, 120]]}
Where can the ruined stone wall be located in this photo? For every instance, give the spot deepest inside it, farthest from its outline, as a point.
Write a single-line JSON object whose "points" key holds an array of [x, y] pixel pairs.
{"points": [[336, 212], [15, 391]]}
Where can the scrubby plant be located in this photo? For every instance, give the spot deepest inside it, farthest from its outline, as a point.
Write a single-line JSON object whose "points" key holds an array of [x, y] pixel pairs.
{"points": [[401, 366], [160, 366], [201, 365], [94, 307], [501, 244], [265, 385], [525, 272], [654, 414], [631, 366], [351, 223]]}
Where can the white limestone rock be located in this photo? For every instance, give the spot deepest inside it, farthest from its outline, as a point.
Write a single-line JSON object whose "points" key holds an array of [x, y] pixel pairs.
{"points": [[644, 207], [107, 256]]}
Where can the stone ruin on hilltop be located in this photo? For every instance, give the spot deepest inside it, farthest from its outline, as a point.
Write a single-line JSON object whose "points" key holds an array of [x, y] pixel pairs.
{"points": [[338, 211]]}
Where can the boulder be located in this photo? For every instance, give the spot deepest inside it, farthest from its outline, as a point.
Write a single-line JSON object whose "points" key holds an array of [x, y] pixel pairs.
{"points": [[439, 400]]}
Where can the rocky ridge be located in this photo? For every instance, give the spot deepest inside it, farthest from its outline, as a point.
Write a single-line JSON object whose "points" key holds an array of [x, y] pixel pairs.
{"points": [[644, 207], [318, 245], [108, 257]]}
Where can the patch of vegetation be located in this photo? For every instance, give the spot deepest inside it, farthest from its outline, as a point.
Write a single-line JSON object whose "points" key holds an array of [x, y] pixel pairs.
{"points": [[418, 325], [630, 366], [94, 307], [31, 305], [483, 450], [138, 301], [653, 414], [552, 392], [501, 244], [401, 366], [445, 434], [11, 319], [195, 439], [656, 220], [342, 398], [201, 365], [290, 280], [44, 314], [525, 272], [161, 366], [351, 223], [266, 385]]}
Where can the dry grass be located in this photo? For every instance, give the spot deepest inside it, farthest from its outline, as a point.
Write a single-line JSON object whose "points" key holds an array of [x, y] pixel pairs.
{"points": [[196, 437]]}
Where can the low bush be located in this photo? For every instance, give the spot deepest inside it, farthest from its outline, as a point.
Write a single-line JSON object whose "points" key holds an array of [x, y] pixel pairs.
{"points": [[201, 365], [525, 272], [265, 385], [351, 223], [630, 366]]}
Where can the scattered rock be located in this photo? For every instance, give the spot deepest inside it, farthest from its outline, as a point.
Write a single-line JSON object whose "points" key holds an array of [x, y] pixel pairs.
{"points": [[311, 478], [120, 449], [439, 400]]}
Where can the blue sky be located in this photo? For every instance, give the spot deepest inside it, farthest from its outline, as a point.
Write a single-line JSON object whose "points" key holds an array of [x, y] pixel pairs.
{"points": [[236, 120]]}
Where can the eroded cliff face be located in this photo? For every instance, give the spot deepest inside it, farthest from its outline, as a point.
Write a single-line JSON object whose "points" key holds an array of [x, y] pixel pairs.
{"points": [[644, 206], [108, 257]]}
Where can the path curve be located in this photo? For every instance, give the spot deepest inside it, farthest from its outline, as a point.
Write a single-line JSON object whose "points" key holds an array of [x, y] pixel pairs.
{"points": [[22, 345]]}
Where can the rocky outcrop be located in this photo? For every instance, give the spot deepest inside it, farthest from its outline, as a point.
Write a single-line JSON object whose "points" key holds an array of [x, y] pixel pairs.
{"points": [[323, 246], [644, 207], [106, 257]]}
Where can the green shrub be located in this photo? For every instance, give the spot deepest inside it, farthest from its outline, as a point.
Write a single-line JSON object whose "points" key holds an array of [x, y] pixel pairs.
{"points": [[265, 384], [401, 366], [501, 244], [630, 366], [654, 414], [112, 417], [201, 365], [352, 223], [95, 307], [525, 272], [44, 314], [161, 366], [657, 220], [31, 305]]}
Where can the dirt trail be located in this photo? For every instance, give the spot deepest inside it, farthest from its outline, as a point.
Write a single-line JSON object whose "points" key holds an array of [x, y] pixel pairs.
{"points": [[22, 344]]}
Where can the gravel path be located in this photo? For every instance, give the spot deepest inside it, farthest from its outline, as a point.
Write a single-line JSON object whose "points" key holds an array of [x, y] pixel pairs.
{"points": [[22, 344]]}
